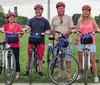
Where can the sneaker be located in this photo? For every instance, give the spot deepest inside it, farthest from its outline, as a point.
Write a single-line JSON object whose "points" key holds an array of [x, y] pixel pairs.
{"points": [[78, 77], [41, 74], [26, 75], [17, 77], [96, 79]]}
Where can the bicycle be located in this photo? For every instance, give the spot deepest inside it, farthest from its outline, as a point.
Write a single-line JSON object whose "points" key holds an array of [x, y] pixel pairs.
{"points": [[7, 58], [86, 39], [33, 61], [58, 59]]}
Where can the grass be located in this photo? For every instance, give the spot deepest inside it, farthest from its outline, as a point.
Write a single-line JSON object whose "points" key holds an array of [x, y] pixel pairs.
{"points": [[36, 78]]}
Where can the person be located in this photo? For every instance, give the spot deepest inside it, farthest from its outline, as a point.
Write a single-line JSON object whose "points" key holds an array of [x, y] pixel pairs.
{"points": [[63, 23], [12, 26], [38, 24], [87, 24]]}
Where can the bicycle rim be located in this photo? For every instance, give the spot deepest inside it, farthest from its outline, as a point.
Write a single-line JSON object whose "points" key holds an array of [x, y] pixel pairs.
{"points": [[9, 68], [64, 80]]}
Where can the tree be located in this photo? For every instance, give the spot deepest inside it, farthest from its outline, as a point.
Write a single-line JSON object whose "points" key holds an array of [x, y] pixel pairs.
{"points": [[75, 18], [97, 19], [2, 18], [22, 20], [19, 19]]}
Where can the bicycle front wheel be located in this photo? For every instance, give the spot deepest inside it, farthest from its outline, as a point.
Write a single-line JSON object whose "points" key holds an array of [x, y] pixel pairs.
{"points": [[9, 68], [49, 55], [69, 73], [86, 68]]}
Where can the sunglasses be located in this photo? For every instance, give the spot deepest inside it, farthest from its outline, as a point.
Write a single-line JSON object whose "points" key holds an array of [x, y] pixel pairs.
{"points": [[61, 20]]}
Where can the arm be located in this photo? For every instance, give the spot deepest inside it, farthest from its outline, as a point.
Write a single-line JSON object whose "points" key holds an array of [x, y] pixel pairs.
{"points": [[25, 29], [48, 28], [96, 26]]}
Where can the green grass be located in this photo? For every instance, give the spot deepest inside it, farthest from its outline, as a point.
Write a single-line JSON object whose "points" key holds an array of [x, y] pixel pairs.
{"points": [[36, 78]]}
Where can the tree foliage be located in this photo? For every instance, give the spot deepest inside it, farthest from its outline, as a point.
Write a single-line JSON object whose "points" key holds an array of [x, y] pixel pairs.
{"points": [[97, 19], [2, 18], [75, 18]]}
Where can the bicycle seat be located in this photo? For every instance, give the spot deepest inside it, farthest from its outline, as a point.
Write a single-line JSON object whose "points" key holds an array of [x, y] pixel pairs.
{"points": [[2, 42], [51, 38]]}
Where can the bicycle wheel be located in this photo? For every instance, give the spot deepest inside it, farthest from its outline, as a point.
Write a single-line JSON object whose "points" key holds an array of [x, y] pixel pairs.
{"points": [[49, 55], [1, 63], [9, 68], [85, 68], [31, 67], [64, 79]]}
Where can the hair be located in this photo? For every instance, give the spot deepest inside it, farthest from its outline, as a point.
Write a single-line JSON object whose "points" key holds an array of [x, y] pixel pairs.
{"points": [[7, 21], [82, 17]]}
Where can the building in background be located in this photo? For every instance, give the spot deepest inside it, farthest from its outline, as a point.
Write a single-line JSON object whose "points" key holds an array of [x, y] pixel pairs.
{"points": [[15, 11]]}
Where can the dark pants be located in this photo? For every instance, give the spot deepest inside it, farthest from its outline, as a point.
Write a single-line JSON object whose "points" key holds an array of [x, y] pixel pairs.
{"points": [[16, 53]]}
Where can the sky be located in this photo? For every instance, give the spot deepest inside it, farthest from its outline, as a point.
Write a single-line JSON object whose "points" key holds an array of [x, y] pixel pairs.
{"points": [[26, 7]]}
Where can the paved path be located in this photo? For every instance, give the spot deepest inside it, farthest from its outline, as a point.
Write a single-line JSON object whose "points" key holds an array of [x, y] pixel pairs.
{"points": [[49, 84]]}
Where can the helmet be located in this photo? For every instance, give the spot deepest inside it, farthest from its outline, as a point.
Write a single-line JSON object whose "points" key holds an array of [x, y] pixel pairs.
{"points": [[38, 6], [86, 7], [10, 14], [60, 4]]}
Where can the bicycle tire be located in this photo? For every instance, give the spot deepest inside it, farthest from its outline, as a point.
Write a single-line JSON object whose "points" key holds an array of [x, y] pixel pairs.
{"points": [[86, 68], [9, 68], [1, 62], [31, 67], [52, 77]]}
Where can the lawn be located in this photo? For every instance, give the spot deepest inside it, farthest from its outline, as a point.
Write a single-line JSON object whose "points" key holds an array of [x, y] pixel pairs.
{"points": [[36, 78]]}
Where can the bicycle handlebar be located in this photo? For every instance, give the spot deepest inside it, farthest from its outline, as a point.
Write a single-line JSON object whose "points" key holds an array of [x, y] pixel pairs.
{"points": [[78, 32], [43, 33], [60, 33], [12, 32]]}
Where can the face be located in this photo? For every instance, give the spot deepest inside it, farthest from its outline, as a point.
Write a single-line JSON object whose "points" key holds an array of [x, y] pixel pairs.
{"points": [[61, 10], [85, 13], [11, 19], [38, 12]]}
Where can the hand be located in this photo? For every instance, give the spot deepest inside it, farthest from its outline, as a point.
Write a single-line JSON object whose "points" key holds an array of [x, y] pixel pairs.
{"points": [[48, 32], [1, 30], [57, 37], [98, 30], [73, 31], [23, 30]]}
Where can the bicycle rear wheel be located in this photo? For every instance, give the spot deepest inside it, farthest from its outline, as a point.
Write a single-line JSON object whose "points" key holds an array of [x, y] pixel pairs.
{"points": [[1, 63], [31, 67], [64, 79], [9, 68], [86, 68]]}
